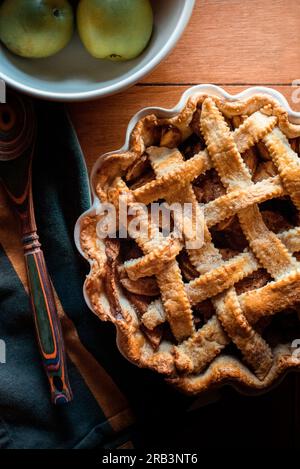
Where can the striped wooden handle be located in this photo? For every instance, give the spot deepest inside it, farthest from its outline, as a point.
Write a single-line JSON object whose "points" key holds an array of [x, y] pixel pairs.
{"points": [[17, 141], [46, 320]]}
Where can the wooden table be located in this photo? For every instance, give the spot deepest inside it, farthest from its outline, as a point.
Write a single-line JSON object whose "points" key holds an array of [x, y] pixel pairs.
{"points": [[234, 44], [231, 43]]}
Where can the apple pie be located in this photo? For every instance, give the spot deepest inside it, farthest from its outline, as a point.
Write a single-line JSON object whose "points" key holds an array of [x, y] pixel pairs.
{"points": [[226, 308]]}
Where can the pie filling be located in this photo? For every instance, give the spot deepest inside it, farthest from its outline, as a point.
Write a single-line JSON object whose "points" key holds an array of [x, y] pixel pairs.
{"points": [[228, 308]]}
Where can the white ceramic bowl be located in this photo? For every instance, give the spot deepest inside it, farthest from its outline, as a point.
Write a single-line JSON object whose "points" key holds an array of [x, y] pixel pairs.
{"points": [[162, 112], [74, 75]]}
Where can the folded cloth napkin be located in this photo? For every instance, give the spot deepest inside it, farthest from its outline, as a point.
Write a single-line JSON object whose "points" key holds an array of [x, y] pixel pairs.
{"points": [[103, 382]]}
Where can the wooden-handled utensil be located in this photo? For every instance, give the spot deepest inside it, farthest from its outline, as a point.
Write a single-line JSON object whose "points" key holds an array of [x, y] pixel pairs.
{"points": [[17, 142]]}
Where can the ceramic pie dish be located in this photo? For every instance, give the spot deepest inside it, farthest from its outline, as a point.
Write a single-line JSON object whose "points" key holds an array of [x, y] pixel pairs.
{"points": [[227, 309]]}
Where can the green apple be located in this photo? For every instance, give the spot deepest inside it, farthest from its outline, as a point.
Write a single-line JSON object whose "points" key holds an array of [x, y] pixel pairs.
{"points": [[36, 28], [115, 29]]}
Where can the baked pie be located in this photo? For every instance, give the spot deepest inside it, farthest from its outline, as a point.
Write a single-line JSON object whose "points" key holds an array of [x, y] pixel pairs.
{"points": [[226, 308]]}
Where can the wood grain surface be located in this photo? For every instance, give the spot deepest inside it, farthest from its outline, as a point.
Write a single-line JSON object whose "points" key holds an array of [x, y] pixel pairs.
{"points": [[236, 42], [232, 43]]}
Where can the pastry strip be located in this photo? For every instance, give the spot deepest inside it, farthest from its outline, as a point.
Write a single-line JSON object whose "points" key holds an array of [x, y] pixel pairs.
{"points": [[287, 162], [169, 280]]}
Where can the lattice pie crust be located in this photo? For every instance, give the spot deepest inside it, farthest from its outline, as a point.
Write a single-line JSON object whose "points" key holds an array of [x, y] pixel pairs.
{"points": [[227, 311]]}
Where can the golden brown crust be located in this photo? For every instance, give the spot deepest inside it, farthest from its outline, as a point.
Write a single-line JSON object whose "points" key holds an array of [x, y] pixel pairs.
{"points": [[247, 177]]}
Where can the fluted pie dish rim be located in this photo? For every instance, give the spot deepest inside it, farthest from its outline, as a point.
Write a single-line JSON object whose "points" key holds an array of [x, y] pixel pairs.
{"points": [[264, 366]]}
